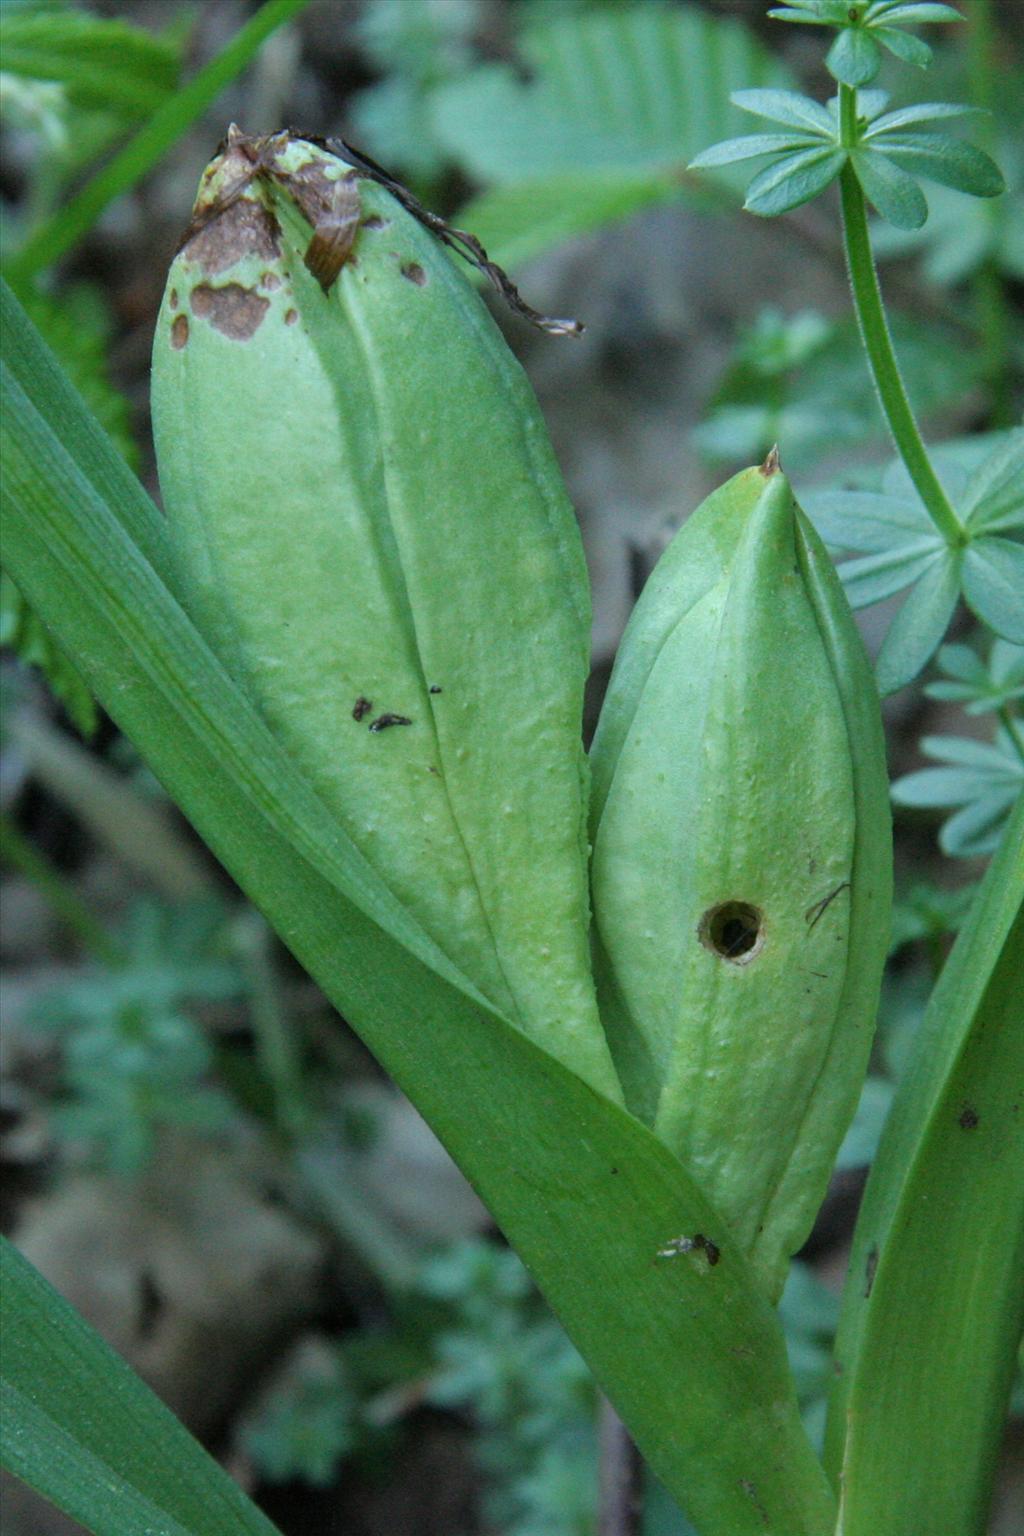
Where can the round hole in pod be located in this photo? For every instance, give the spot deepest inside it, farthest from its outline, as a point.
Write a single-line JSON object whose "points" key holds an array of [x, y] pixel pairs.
{"points": [[734, 930]]}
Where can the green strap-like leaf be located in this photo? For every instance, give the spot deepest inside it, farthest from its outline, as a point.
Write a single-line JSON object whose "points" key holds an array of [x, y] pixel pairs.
{"points": [[101, 64], [58, 234], [80, 1426], [690, 1353], [934, 1303]]}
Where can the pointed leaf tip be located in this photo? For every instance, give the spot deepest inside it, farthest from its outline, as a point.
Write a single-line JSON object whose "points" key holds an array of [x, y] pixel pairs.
{"points": [[772, 464]]}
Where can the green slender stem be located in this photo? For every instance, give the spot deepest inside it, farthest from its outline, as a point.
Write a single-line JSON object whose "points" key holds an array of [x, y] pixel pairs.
{"points": [[874, 330], [17, 851], [988, 288]]}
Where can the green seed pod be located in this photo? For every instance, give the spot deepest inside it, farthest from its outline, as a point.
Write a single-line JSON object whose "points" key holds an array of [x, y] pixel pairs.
{"points": [[742, 861], [374, 536]]}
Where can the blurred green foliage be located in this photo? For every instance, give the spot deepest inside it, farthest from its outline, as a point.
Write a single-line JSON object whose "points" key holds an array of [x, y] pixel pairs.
{"points": [[589, 124]]}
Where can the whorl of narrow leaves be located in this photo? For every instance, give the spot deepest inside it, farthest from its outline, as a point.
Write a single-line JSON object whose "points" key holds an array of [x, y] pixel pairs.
{"points": [[865, 29], [889, 151], [896, 547]]}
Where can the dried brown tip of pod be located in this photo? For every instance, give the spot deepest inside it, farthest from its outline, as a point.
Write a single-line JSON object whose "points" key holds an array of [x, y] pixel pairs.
{"points": [[772, 464]]}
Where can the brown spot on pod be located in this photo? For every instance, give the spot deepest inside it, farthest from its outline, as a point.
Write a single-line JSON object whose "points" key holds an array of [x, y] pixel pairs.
{"points": [[172, 298], [361, 707], [233, 310], [969, 1119], [415, 274], [179, 332], [290, 317], [270, 281], [242, 228], [375, 222]]}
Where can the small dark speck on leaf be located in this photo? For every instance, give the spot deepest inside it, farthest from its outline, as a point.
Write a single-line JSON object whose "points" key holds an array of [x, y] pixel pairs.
{"points": [[870, 1265], [385, 721], [750, 1489], [173, 298], [415, 274], [375, 222], [290, 316], [179, 332], [434, 688], [270, 281], [361, 707], [969, 1118]]}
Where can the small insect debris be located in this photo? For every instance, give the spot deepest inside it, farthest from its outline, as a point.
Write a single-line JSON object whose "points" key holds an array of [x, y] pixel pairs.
{"points": [[818, 909], [435, 688], [361, 707], [698, 1243], [385, 721]]}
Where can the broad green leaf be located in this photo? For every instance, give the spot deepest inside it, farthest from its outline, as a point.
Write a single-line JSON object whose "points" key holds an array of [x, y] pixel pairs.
{"points": [[933, 1306], [994, 501], [870, 105], [83, 1430], [789, 107], [964, 751], [980, 687], [895, 195], [948, 161], [793, 180], [975, 831], [876, 577], [642, 88], [922, 112], [166, 125], [918, 628], [866, 520], [589, 1197], [854, 58], [102, 64], [917, 12], [982, 778], [906, 47], [993, 582], [749, 147]]}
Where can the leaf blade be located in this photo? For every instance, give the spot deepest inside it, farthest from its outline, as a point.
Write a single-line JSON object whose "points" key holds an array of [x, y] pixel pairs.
{"points": [[86, 1432], [927, 1354], [586, 1193]]}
